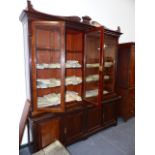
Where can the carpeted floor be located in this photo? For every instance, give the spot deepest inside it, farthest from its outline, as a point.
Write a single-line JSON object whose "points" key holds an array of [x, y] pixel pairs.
{"points": [[117, 140]]}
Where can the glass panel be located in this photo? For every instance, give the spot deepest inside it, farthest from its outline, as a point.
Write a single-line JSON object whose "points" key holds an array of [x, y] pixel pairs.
{"points": [[74, 58], [48, 49], [92, 63], [110, 48]]}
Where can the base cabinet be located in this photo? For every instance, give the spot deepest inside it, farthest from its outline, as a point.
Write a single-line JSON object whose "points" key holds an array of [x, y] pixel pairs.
{"points": [[71, 126]]}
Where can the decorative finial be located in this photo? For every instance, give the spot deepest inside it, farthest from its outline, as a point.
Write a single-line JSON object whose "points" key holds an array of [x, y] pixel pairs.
{"points": [[29, 5], [118, 29]]}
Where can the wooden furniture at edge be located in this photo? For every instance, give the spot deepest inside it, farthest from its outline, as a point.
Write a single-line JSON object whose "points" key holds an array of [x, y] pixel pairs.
{"points": [[126, 80], [23, 120], [83, 105]]}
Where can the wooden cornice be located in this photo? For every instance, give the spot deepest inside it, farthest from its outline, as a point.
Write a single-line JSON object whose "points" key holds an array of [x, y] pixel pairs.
{"points": [[83, 23]]}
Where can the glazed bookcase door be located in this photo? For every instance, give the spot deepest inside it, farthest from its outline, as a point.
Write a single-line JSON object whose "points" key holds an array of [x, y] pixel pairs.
{"points": [[93, 66], [110, 49], [48, 61]]}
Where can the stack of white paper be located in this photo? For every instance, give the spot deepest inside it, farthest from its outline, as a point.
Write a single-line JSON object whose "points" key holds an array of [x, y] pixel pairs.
{"points": [[73, 80], [56, 65], [108, 64], [94, 77], [105, 92], [73, 64], [92, 93], [106, 77], [47, 83], [51, 65], [54, 99], [49, 100], [92, 65], [69, 64], [72, 96], [42, 66]]}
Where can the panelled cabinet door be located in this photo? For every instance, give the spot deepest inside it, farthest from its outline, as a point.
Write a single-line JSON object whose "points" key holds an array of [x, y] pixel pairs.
{"points": [[93, 66], [47, 61], [109, 115], [49, 131], [94, 119], [73, 127]]}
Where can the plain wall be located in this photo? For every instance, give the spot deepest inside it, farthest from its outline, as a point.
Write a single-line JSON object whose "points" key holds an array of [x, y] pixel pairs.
{"points": [[110, 13]]}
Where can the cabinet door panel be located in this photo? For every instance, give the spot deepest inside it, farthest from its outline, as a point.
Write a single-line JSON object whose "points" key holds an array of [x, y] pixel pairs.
{"points": [[94, 118], [109, 115], [73, 126], [49, 131]]}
